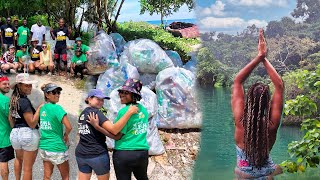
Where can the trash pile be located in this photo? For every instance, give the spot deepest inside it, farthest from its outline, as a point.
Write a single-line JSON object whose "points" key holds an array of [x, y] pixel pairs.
{"points": [[169, 89]]}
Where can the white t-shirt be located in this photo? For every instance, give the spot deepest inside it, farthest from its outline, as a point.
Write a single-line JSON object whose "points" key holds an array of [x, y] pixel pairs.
{"points": [[38, 32]]}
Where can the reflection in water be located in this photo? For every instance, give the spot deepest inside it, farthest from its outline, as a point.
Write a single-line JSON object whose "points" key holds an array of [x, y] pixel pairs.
{"points": [[217, 157]]}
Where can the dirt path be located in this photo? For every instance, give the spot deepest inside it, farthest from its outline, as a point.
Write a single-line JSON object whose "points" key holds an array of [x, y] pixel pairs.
{"points": [[176, 164]]}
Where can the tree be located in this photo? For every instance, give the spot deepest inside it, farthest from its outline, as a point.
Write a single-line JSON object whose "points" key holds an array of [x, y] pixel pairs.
{"points": [[105, 12], [9, 8], [163, 7], [308, 10]]}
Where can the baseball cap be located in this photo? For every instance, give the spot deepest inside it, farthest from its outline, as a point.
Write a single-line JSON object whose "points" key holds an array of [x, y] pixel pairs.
{"points": [[50, 87], [97, 93]]}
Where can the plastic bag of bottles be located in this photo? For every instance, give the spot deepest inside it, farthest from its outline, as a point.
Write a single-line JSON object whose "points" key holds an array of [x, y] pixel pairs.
{"points": [[175, 57], [153, 138], [149, 101], [119, 42], [115, 77], [146, 55], [177, 101], [102, 54], [148, 80], [191, 65]]}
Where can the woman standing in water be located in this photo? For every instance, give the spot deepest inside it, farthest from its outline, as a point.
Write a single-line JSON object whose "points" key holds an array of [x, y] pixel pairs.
{"points": [[257, 119]]}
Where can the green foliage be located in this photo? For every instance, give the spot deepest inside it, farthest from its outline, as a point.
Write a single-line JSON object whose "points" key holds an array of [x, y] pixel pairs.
{"points": [[163, 7], [136, 30], [305, 151], [307, 9]]}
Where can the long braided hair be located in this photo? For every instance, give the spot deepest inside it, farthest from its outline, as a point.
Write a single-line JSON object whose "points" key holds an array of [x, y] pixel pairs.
{"points": [[256, 123], [14, 104]]}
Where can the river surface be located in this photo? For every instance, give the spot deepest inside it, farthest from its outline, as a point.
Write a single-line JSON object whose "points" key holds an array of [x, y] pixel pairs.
{"points": [[217, 157]]}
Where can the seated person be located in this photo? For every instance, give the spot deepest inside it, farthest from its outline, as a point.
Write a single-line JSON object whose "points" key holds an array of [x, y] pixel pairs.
{"points": [[8, 60], [79, 63], [34, 51], [46, 62], [21, 57]]}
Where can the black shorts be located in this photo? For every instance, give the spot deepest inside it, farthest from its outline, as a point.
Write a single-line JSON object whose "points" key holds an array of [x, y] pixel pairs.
{"points": [[60, 50], [6, 154]]}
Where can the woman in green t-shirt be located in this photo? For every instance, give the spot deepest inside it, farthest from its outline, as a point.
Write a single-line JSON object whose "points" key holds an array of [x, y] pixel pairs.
{"points": [[131, 151], [53, 142]]}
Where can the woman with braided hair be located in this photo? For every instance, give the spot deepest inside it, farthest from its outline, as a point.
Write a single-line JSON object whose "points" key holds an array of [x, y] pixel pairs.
{"points": [[24, 136], [257, 119]]}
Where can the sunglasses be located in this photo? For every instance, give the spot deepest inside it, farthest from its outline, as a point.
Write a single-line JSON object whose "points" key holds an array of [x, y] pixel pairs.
{"points": [[55, 92], [124, 92], [44, 46]]}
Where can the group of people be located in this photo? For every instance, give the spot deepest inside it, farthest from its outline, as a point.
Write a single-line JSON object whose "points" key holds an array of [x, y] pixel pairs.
{"points": [[19, 56], [25, 131]]}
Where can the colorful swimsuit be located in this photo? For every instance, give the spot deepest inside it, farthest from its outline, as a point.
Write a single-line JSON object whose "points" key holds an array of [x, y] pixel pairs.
{"points": [[257, 173]]}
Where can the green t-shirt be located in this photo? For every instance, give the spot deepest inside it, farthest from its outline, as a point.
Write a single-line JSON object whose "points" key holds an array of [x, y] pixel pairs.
{"points": [[135, 131], [20, 54], [51, 128], [84, 48], [5, 128], [79, 60], [23, 33]]}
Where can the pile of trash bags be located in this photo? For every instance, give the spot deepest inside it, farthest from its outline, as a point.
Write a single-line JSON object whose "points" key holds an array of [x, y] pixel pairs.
{"points": [[168, 90]]}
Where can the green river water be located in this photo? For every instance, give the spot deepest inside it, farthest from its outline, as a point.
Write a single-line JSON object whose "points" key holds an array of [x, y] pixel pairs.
{"points": [[217, 157]]}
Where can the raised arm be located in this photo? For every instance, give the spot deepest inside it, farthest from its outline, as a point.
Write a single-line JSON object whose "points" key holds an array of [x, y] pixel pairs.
{"points": [[115, 128], [237, 101], [277, 98]]}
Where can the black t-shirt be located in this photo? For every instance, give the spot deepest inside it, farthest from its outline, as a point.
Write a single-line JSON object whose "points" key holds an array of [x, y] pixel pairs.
{"points": [[7, 33], [24, 106], [61, 35], [92, 142], [35, 53]]}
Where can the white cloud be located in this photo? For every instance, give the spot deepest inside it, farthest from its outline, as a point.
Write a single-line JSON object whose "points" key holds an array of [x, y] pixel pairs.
{"points": [[260, 3], [215, 9], [213, 23]]}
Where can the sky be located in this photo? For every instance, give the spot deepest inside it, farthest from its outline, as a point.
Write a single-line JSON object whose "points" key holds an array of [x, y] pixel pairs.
{"points": [[131, 11], [231, 16]]}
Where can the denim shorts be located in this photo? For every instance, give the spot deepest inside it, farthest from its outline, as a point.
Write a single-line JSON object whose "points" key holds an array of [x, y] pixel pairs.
{"points": [[55, 158], [258, 173], [100, 164], [25, 138]]}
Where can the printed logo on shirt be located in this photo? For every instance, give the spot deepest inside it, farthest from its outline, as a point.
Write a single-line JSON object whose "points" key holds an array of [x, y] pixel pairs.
{"points": [[44, 114], [61, 36], [24, 32], [35, 53], [45, 125], [82, 117], [139, 128], [8, 32], [79, 62], [83, 129], [141, 115]]}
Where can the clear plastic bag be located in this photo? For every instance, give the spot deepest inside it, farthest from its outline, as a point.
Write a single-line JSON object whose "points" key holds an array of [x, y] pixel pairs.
{"points": [[148, 100], [175, 57], [191, 65], [148, 80], [102, 54], [146, 55], [119, 42], [153, 138], [177, 101], [115, 77]]}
